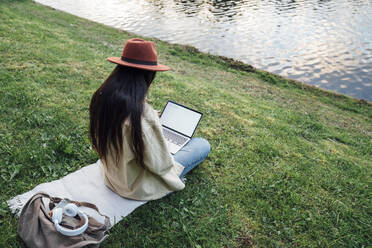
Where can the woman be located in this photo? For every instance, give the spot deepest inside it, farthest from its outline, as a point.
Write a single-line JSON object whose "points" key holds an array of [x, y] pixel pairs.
{"points": [[126, 132]]}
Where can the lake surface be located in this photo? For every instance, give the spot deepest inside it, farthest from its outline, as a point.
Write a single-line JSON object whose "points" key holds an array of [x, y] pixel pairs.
{"points": [[320, 42]]}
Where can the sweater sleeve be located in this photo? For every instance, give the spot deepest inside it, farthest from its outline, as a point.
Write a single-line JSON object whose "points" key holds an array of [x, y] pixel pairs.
{"points": [[157, 157]]}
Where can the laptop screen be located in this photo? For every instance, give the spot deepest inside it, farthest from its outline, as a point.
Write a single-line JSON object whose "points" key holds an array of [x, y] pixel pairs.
{"points": [[180, 119]]}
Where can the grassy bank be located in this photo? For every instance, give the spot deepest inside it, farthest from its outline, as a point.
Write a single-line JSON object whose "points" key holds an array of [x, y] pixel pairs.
{"points": [[290, 164]]}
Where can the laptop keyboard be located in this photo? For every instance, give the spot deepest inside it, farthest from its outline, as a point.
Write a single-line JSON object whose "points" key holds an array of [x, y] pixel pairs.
{"points": [[174, 137]]}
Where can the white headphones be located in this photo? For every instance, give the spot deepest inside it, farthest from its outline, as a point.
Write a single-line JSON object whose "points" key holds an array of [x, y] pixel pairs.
{"points": [[71, 210]]}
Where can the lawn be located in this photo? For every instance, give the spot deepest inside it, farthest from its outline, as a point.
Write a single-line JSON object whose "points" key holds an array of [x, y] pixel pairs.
{"points": [[290, 164]]}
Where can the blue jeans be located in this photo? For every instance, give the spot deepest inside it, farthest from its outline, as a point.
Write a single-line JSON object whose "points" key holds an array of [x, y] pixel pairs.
{"points": [[192, 154]]}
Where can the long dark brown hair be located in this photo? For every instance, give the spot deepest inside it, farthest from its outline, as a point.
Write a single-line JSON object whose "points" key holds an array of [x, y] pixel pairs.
{"points": [[121, 96]]}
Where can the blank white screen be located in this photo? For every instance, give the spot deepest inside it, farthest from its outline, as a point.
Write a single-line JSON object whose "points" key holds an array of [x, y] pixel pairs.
{"points": [[181, 119]]}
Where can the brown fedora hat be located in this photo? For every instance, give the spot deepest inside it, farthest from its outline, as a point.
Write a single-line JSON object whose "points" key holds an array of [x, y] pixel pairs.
{"points": [[140, 54]]}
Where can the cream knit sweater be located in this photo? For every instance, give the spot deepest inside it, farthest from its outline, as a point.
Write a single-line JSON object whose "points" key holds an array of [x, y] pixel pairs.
{"points": [[161, 173]]}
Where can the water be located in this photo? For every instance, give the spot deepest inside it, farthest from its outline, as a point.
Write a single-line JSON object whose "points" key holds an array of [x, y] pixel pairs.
{"points": [[320, 42]]}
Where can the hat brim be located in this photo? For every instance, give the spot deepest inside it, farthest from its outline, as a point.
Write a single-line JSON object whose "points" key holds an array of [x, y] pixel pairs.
{"points": [[158, 67]]}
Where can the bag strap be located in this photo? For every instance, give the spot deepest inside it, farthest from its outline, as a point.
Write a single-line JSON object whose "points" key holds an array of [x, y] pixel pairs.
{"points": [[86, 204], [91, 205]]}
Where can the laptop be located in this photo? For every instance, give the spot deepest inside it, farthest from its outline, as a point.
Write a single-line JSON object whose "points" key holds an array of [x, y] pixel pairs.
{"points": [[179, 124]]}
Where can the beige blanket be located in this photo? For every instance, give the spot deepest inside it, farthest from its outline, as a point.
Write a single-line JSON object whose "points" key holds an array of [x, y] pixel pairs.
{"points": [[86, 185]]}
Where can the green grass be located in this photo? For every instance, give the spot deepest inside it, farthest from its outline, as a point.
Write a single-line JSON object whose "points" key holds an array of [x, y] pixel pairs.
{"points": [[290, 164]]}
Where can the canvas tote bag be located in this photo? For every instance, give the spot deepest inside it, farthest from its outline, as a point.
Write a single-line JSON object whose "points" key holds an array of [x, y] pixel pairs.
{"points": [[36, 228]]}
